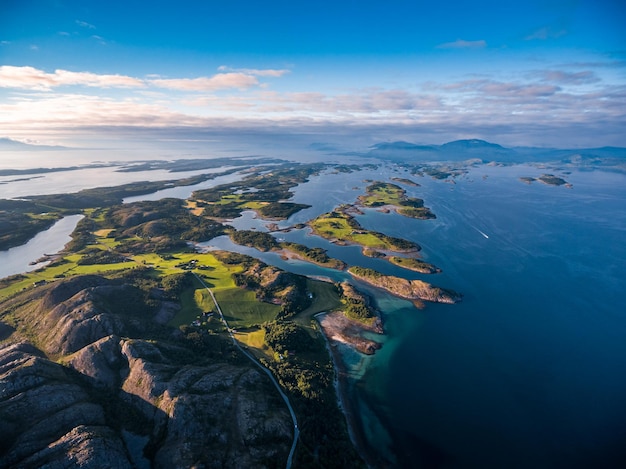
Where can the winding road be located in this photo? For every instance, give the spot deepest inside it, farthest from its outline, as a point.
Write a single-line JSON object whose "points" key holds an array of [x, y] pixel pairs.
{"points": [[296, 431]]}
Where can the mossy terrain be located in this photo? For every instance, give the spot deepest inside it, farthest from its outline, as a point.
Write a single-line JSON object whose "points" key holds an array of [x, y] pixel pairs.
{"points": [[317, 256], [20, 220], [263, 191], [341, 227], [356, 305], [382, 194], [414, 264]]}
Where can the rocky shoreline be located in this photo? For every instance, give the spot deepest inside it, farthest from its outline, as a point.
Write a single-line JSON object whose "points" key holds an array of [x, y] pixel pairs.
{"points": [[334, 338], [408, 289], [337, 327]]}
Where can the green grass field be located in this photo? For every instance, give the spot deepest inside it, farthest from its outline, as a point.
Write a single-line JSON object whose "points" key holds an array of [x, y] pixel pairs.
{"points": [[242, 309], [337, 227], [382, 193]]}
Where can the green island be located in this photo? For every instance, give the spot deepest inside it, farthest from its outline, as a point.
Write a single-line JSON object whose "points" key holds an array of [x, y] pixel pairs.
{"points": [[266, 242], [384, 194], [342, 228], [414, 264], [317, 256]]}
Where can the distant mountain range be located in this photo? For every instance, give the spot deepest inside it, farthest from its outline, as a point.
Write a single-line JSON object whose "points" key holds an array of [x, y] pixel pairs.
{"points": [[14, 145], [461, 150]]}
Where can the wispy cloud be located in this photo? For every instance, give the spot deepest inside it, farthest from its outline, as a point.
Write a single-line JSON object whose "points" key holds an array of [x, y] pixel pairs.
{"points": [[221, 81], [462, 44], [546, 32], [84, 24], [500, 89], [100, 39], [34, 47], [566, 78], [30, 78], [255, 72]]}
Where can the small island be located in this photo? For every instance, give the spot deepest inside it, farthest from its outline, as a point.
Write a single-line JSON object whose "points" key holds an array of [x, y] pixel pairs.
{"points": [[403, 288], [406, 181], [342, 228], [387, 196], [549, 179], [415, 265]]}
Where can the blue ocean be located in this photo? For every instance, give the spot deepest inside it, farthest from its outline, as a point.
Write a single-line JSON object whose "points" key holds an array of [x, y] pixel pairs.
{"points": [[530, 369]]}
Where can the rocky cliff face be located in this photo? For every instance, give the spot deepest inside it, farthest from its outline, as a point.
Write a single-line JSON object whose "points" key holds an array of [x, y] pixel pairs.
{"points": [[47, 417], [115, 401]]}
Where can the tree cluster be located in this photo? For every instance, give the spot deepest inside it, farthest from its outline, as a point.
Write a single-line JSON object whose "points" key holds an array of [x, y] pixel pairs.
{"points": [[254, 239]]}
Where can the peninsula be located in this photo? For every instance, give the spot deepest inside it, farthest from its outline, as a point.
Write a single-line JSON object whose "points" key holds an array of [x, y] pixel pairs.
{"points": [[409, 289]]}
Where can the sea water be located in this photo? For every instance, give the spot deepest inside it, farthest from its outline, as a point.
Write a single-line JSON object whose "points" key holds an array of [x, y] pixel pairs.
{"points": [[530, 369]]}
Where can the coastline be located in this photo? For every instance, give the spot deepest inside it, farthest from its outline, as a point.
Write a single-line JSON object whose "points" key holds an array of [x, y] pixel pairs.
{"points": [[342, 385]]}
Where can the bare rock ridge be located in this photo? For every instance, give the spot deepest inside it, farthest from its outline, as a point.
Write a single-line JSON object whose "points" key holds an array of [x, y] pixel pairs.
{"points": [[115, 399], [409, 289]]}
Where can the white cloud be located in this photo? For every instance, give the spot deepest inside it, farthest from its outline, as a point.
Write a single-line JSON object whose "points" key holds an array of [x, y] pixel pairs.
{"points": [[51, 110], [462, 44], [31, 78], [221, 81], [100, 39], [533, 99], [255, 71], [84, 24]]}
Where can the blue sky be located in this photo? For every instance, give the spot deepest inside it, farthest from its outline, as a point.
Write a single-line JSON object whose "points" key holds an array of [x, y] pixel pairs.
{"points": [[541, 73]]}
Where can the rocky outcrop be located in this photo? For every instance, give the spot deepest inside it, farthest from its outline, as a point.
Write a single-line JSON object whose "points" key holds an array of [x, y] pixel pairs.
{"points": [[339, 328], [101, 361], [72, 315], [409, 289], [217, 416], [178, 407], [85, 447], [47, 418]]}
